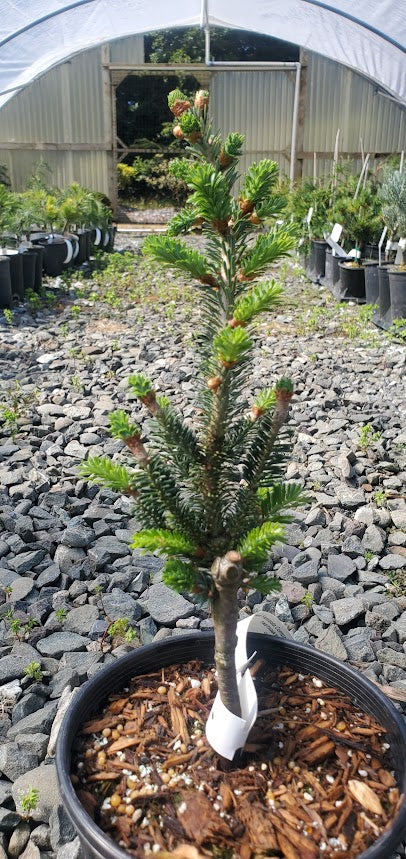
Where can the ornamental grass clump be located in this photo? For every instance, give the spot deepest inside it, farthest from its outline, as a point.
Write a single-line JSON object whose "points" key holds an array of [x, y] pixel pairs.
{"points": [[210, 496]]}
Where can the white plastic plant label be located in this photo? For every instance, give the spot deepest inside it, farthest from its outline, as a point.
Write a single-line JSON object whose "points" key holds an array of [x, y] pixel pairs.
{"points": [[336, 232], [226, 732], [309, 215]]}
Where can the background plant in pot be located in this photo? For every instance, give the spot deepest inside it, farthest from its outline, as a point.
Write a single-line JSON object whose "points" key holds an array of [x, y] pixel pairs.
{"points": [[316, 195], [393, 196], [358, 211]]}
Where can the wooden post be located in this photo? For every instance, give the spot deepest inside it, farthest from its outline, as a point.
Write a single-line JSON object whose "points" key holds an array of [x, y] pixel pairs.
{"points": [[109, 111], [298, 172]]}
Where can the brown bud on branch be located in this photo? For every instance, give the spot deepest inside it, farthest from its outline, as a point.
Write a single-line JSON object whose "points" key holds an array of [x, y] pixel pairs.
{"points": [[201, 99], [246, 206], [180, 107], [236, 323], [214, 383]]}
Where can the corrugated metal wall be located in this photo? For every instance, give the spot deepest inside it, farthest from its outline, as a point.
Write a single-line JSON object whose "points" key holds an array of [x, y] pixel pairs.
{"points": [[338, 98], [65, 107], [260, 106]]}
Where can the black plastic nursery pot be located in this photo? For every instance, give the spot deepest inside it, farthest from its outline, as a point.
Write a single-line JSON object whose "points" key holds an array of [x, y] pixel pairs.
{"points": [[5, 282], [55, 255], [371, 251], [29, 267], [84, 246], [277, 651], [107, 240], [320, 247], [397, 290], [352, 283], [309, 265], [16, 274], [371, 281], [384, 315], [331, 269], [38, 250]]}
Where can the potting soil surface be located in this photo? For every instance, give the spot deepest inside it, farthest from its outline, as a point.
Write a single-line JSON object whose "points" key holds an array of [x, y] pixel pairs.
{"points": [[315, 778]]}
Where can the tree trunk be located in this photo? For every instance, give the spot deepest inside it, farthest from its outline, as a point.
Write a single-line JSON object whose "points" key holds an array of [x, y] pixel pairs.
{"points": [[227, 575]]}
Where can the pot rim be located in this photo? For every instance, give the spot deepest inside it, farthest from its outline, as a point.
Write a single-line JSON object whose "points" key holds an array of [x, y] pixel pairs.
{"points": [[97, 688]]}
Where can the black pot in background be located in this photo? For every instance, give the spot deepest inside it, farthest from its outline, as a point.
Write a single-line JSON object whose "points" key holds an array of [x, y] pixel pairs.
{"points": [[112, 235], [277, 651], [371, 251], [397, 290], [75, 248], [16, 274], [55, 254], [29, 267], [39, 265], [6, 297], [332, 270], [84, 246], [371, 281], [352, 283], [309, 269], [96, 237], [320, 247], [384, 317], [82, 254]]}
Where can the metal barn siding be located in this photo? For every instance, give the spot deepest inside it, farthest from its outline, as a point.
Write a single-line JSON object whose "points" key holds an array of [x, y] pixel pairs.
{"points": [[60, 120], [338, 98], [128, 50], [260, 105]]}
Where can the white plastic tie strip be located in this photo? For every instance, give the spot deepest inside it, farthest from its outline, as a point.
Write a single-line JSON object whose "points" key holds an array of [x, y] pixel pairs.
{"points": [[226, 732]]}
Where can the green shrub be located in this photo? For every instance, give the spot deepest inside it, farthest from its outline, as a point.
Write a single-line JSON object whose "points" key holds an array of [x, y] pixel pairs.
{"points": [[151, 177]]}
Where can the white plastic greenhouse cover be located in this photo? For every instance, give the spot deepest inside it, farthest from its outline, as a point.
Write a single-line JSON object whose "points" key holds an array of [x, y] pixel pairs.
{"points": [[366, 35]]}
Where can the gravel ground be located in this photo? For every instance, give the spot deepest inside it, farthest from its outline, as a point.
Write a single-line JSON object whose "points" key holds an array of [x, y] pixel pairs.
{"points": [[343, 568]]}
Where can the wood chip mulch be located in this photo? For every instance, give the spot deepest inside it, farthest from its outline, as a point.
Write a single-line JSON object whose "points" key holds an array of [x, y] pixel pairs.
{"points": [[315, 780]]}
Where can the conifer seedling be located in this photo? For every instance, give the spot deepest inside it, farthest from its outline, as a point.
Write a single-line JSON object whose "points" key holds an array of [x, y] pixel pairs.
{"points": [[210, 496]]}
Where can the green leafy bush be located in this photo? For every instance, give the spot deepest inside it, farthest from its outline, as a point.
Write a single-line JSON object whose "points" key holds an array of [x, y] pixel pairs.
{"points": [[151, 177]]}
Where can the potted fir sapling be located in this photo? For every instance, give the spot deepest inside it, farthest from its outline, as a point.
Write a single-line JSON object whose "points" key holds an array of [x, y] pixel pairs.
{"points": [[315, 195], [210, 495], [392, 281], [359, 210], [210, 499]]}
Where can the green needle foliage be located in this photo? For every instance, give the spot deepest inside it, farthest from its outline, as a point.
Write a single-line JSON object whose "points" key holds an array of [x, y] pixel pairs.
{"points": [[140, 385], [233, 144], [121, 425], [264, 296], [267, 249], [176, 255], [210, 495], [230, 344], [155, 540], [265, 400], [111, 474], [259, 181]]}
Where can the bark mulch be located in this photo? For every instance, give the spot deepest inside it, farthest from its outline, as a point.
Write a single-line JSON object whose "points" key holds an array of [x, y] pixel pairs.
{"points": [[315, 779]]}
